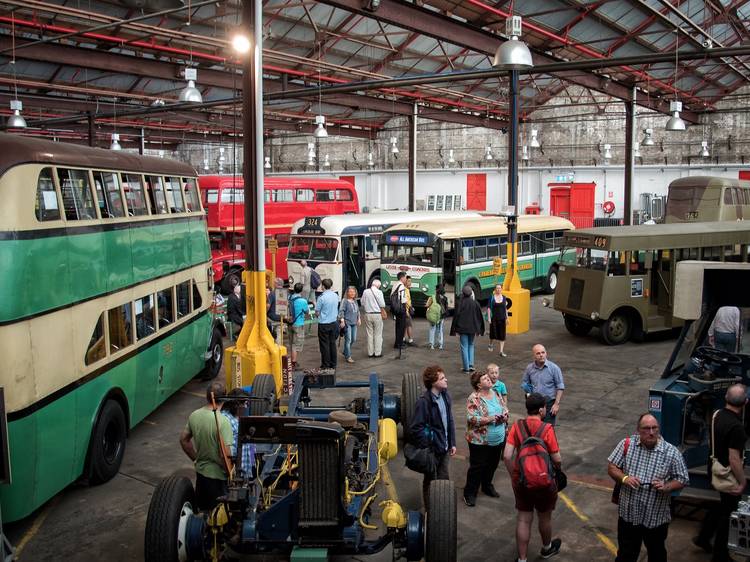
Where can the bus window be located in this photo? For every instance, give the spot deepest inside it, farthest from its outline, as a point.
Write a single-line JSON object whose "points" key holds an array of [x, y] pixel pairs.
{"points": [[325, 195], [144, 317], [97, 349], [299, 247], [47, 205], [282, 195], [108, 194], [165, 303], [120, 331], [192, 200], [183, 299], [156, 195], [372, 245], [493, 247], [266, 195], [132, 184], [212, 196], [78, 201], [638, 261], [524, 246], [480, 249], [324, 249], [467, 251], [729, 196], [233, 196], [282, 240], [197, 300], [174, 195], [343, 195], [305, 195]]}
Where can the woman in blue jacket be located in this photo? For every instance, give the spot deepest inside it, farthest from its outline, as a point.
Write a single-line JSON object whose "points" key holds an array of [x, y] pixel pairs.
{"points": [[432, 425]]}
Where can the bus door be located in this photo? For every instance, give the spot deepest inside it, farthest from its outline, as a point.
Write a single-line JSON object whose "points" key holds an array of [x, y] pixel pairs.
{"points": [[449, 257], [354, 262], [661, 282]]}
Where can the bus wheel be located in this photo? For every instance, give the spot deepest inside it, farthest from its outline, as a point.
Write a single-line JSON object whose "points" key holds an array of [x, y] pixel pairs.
{"points": [[441, 543], [550, 284], [171, 525], [616, 329], [577, 326], [213, 365], [229, 281], [107, 443], [474, 289], [411, 386], [263, 395]]}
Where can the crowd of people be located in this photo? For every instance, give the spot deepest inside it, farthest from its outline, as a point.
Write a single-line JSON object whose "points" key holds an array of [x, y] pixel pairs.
{"points": [[646, 468]]}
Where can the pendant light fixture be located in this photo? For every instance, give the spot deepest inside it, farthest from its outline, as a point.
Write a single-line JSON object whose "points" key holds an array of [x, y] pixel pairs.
{"points": [[326, 161], [394, 148], [310, 153], [488, 153], [221, 160], [115, 144], [205, 165], [266, 162], [704, 149], [190, 93], [513, 54], [648, 138], [370, 159], [675, 122], [607, 152], [451, 159], [525, 153], [15, 121], [320, 120]]}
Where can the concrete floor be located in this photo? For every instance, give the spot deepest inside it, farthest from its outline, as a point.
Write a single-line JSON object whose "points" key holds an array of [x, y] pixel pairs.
{"points": [[606, 390]]}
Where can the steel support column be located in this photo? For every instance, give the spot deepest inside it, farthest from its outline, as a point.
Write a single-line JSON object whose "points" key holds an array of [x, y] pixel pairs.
{"points": [[630, 129], [412, 156]]}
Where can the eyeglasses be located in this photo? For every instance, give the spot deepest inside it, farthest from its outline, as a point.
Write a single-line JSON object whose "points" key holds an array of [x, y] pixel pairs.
{"points": [[649, 428]]}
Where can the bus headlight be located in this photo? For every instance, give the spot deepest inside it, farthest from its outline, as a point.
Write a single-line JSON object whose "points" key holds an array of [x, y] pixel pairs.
{"points": [[545, 302], [594, 315], [562, 268]]}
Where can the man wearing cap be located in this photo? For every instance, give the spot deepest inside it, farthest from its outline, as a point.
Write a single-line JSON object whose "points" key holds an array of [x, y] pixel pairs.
{"points": [[200, 441]]}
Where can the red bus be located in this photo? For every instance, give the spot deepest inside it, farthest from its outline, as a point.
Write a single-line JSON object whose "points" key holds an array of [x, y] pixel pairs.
{"points": [[286, 201]]}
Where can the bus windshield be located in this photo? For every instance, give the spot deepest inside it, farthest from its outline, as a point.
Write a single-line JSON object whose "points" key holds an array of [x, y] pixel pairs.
{"points": [[313, 248], [586, 258], [421, 255]]}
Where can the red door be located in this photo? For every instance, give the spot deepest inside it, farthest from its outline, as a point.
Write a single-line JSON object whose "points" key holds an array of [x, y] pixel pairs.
{"points": [[582, 204], [476, 192], [350, 179], [559, 202], [745, 174]]}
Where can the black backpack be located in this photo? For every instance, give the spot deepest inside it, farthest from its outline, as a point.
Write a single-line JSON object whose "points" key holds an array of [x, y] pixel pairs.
{"points": [[396, 305]]}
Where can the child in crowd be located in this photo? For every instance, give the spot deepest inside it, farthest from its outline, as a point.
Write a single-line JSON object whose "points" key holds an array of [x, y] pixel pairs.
{"points": [[494, 372]]}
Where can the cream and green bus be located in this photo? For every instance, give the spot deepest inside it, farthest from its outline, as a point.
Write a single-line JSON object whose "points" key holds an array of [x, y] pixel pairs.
{"points": [[620, 279], [105, 307], [707, 198], [467, 251]]}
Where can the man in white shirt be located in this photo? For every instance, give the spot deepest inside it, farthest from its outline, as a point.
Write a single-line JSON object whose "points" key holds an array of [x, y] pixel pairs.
{"points": [[305, 280], [725, 329], [373, 304]]}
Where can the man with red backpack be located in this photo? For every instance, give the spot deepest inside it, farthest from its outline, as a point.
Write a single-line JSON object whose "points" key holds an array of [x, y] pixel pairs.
{"points": [[532, 457]]}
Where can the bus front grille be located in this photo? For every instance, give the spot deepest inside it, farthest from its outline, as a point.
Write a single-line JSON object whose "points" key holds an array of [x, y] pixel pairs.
{"points": [[575, 295]]}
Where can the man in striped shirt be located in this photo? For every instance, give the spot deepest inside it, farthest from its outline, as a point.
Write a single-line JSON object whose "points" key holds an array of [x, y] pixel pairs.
{"points": [[649, 472]]}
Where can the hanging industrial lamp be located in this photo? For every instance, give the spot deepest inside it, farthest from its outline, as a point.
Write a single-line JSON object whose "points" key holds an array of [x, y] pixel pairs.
{"points": [[267, 162], [190, 93], [704, 149], [16, 121], [320, 131], [525, 153], [310, 154], [607, 152], [370, 160], [326, 161], [115, 144], [394, 148], [488, 153], [675, 122], [648, 138], [451, 159], [514, 54]]}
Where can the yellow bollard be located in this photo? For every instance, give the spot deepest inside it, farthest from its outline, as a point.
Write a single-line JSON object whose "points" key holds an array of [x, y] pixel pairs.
{"points": [[256, 352], [519, 299]]}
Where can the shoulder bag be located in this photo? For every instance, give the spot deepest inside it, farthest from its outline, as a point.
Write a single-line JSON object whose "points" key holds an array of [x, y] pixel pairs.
{"points": [[618, 484], [722, 477]]}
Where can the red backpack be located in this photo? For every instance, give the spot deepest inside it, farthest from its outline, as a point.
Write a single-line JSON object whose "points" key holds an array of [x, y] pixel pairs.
{"points": [[533, 460]]}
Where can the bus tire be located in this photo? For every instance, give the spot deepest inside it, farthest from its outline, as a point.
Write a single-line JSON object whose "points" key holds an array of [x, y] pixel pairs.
{"points": [[263, 395], [577, 326], [173, 499], [550, 283], [616, 329], [375, 275], [216, 348], [230, 279], [107, 443], [475, 289], [442, 538], [411, 386]]}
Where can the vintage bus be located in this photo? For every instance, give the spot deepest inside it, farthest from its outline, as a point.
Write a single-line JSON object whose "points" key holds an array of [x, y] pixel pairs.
{"points": [[465, 252], [346, 248], [105, 308], [707, 198], [286, 200], [620, 279]]}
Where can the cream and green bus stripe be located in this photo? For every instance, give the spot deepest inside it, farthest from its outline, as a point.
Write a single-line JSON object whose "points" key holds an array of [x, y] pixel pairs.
{"points": [[105, 306]]}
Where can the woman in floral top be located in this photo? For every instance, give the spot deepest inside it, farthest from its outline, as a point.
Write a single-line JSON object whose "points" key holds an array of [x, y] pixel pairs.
{"points": [[485, 432]]}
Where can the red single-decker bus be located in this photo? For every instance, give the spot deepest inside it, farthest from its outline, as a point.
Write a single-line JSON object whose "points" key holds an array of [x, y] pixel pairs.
{"points": [[286, 201]]}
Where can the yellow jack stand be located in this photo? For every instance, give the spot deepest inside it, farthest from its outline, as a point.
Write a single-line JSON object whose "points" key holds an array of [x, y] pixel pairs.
{"points": [[256, 352], [519, 307]]}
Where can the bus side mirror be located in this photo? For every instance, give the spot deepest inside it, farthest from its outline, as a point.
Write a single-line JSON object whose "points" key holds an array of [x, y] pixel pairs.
{"points": [[649, 260]]}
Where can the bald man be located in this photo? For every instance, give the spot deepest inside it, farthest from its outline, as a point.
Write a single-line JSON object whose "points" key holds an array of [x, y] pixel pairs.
{"points": [[649, 472], [544, 377], [729, 448]]}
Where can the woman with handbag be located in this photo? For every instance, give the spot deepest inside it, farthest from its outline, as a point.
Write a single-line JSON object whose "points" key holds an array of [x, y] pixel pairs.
{"points": [[485, 433], [432, 425], [437, 310]]}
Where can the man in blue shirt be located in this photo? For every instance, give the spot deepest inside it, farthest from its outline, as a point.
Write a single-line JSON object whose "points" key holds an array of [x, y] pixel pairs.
{"points": [[298, 308], [327, 309], [544, 377]]}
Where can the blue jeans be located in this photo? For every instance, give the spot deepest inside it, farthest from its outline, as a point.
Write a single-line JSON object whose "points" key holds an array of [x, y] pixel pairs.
{"points": [[436, 328], [725, 341], [349, 339], [467, 350]]}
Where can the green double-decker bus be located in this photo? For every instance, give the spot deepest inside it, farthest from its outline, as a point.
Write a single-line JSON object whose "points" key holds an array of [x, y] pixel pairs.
{"points": [[105, 308], [471, 251]]}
